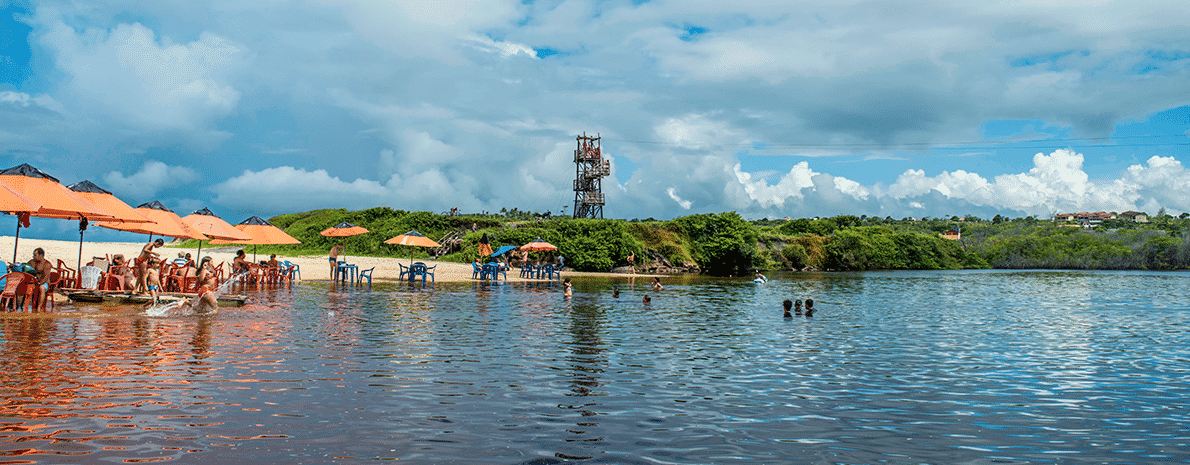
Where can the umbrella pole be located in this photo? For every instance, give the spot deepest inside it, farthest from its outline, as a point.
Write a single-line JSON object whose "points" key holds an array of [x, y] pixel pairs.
{"points": [[198, 255], [78, 268], [15, 241]]}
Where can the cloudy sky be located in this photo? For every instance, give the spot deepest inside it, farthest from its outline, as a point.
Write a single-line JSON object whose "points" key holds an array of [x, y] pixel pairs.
{"points": [[770, 109]]}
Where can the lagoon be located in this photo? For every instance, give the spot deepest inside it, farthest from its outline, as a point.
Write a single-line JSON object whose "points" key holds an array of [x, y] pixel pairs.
{"points": [[978, 366]]}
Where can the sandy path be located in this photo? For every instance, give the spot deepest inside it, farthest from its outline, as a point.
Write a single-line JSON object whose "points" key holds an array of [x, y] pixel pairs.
{"points": [[311, 267]]}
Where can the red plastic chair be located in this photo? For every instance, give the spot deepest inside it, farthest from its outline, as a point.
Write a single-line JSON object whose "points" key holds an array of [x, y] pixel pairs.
{"points": [[16, 285], [113, 279], [69, 276]]}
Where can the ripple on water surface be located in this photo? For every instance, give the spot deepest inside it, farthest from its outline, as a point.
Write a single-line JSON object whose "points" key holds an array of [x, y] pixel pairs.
{"points": [[899, 367]]}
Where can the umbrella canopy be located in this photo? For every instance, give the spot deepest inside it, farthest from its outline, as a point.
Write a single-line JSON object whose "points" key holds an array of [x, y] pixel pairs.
{"points": [[539, 245], [205, 222], [56, 200], [343, 230], [260, 232], [15, 202], [165, 223], [413, 238], [503, 250], [98, 196]]}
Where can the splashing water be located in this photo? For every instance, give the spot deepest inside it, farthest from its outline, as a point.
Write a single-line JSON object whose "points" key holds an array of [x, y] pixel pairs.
{"points": [[182, 307]]}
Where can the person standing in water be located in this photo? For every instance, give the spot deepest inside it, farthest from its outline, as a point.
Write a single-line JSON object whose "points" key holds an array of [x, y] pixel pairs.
{"points": [[809, 307], [787, 304], [567, 288], [334, 259], [153, 278], [657, 284], [142, 264]]}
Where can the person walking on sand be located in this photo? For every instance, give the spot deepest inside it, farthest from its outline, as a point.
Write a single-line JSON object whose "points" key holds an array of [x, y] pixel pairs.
{"points": [[142, 264]]}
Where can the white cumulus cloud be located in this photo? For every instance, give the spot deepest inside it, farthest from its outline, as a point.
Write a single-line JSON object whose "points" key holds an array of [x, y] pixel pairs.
{"points": [[152, 177]]}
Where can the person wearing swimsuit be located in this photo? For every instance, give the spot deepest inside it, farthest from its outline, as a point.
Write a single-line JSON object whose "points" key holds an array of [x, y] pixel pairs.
{"points": [[142, 265]]}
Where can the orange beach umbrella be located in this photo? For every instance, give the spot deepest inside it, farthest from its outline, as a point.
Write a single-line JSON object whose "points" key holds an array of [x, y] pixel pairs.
{"points": [[205, 222], [412, 238], [56, 200], [539, 245], [261, 232], [344, 229], [165, 223]]}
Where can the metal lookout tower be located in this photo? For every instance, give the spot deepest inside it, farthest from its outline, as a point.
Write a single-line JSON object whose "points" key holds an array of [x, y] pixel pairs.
{"points": [[589, 169]]}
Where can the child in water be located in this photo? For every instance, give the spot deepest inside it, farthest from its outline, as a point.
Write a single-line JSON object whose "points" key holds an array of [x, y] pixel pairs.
{"points": [[787, 304], [153, 278], [657, 284], [809, 307], [797, 307], [615, 293], [566, 288]]}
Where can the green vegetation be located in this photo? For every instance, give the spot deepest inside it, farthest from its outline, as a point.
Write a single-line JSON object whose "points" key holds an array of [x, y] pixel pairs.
{"points": [[726, 244]]}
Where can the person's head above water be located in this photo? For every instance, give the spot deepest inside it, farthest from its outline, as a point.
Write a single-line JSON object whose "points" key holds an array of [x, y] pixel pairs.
{"points": [[809, 303], [787, 304]]}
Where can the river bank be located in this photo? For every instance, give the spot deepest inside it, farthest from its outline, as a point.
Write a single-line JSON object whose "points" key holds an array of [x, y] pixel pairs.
{"points": [[312, 267]]}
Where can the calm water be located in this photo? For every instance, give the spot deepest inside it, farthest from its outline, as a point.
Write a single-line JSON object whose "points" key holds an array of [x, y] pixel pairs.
{"points": [[899, 367]]}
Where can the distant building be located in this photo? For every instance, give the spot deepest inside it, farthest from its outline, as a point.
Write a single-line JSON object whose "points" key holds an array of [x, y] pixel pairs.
{"points": [[1139, 217], [1064, 217], [953, 235]]}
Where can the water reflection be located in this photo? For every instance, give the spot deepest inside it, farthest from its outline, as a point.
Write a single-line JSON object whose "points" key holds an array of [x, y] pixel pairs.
{"points": [[896, 367]]}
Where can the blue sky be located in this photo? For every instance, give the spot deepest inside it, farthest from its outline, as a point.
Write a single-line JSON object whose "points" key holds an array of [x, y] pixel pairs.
{"points": [[771, 109]]}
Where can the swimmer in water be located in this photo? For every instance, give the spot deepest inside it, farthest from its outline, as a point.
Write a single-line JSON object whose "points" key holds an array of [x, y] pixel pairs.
{"points": [[615, 293], [207, 302], [646, 299], [657, 284], [787, 304], [797, 307], [567, 288], [809, 307]]}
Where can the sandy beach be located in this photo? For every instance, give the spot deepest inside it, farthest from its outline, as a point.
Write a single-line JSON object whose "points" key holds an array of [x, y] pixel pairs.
{"points": [[312, 267]]}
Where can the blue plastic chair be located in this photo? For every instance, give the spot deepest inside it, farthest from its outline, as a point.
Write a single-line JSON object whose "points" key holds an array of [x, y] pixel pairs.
{"points": [[547, 270], [295, 270], [405, 271], [365, 274], [495, 271], [527, 270], [420, 269]]}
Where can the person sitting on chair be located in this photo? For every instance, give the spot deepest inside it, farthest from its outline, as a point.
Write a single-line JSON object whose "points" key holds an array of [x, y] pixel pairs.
{"points": [[41, 271]]}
